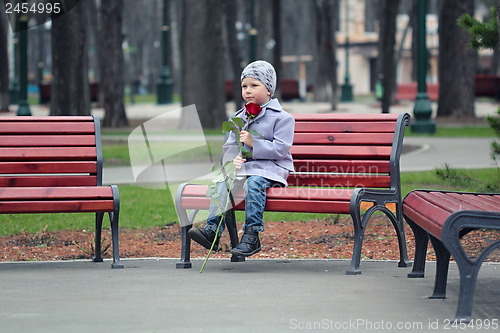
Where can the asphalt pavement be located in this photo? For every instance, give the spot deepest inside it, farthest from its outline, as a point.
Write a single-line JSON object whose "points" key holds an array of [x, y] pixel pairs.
{"points": [[151, 295]]}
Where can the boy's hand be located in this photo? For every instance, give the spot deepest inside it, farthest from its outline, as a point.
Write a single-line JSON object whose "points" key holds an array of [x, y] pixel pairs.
{"points": [[246, 138], [238, 162]]}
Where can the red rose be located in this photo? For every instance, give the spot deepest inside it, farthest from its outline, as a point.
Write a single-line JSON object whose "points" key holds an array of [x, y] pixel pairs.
{"points": [[252, 109]]}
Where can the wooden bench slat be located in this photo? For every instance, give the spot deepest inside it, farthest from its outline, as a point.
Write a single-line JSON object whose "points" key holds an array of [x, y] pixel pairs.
{"points": [[341, 152], [55, 193], [50, 119], [51, 181], [48, 154], [48, 167], [70, 206], [435, 200], [493, 199], [347, 166], [46, 140], [345, 117], [279, 205], [347, 127], [455, 204], [344, 138], [280, 193], [475, 201], [46, 127], [310, 206]]}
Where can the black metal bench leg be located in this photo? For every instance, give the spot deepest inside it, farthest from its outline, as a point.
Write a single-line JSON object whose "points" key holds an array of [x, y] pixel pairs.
{"points": [[468, 278], [442, 265], [421, 243], [469, 270], [399, 224], [114, 218], [185, 248], [230, 222], [98, 229], [359, 233], [114, 235]]}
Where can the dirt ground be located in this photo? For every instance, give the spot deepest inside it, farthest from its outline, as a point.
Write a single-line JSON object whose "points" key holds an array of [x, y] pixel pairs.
{"points": [[331, 238]]}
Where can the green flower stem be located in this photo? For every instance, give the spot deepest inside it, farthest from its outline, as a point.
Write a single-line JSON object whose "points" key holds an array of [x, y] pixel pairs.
{"points": [[228, 200], [248, 123]]}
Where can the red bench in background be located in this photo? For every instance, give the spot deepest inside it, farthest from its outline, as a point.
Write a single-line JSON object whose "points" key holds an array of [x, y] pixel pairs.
{"points": [[408, 91]]}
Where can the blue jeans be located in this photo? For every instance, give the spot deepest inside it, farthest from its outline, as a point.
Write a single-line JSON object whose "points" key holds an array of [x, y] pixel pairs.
{"points": [[255, 200]]}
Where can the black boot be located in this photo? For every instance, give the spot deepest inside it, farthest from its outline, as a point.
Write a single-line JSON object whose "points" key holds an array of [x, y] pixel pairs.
{"points": [[204, 237], [249, 245]]}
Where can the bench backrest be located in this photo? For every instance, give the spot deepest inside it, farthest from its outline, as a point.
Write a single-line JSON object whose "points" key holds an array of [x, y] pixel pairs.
{"points": [[348, 150], [50, 151]]}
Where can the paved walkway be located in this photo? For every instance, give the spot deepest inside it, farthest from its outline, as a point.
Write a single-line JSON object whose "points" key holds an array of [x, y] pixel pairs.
{"points": [[254, 296]]}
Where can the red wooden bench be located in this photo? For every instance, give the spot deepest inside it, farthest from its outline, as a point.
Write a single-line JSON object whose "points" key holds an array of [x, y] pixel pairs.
{"points": [[54, 165], [445, 217], [340, 160], [408, 91]]}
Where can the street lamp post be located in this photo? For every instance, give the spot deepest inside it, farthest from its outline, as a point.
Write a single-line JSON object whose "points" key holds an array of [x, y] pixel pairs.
{"points": [[422, 109], [346, 88], [14, 89], [164, 85], [41, 51], [24, 107]]}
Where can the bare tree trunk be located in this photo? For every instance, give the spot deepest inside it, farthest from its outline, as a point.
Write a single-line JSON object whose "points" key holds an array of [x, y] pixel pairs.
{"points": [[386, 62], [111, 64], [202, 65], [234, 50], [70, 85], [456, 62], [4, 64], [325, 78]]}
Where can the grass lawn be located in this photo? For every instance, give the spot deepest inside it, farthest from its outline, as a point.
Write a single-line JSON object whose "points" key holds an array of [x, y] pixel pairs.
{"points": [[143, 208], [458, 132]]}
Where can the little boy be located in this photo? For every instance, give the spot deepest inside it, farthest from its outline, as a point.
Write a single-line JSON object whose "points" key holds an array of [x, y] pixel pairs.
{"points": [[271, 161]]}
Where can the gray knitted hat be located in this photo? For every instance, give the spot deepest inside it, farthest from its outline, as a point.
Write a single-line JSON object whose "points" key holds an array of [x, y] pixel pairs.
{"points": [[262, 71]]}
